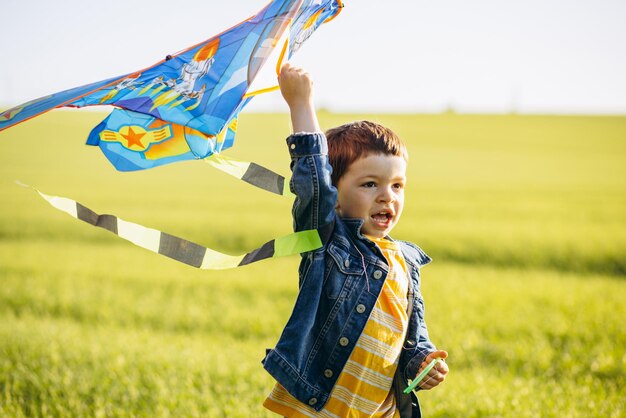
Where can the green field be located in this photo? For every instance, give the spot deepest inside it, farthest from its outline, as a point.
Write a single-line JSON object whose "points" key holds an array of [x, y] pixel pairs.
{"points": [[525, 217]]}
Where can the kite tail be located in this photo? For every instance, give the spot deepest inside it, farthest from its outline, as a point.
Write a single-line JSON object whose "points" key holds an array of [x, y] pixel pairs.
{"points": [[182, 250]]}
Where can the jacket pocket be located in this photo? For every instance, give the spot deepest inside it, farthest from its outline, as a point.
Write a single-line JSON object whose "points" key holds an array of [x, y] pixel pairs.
{"points": [[342, 268]]}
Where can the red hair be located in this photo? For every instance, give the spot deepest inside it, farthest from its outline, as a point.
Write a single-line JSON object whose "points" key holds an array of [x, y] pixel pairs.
{"points": [[347, 143]]}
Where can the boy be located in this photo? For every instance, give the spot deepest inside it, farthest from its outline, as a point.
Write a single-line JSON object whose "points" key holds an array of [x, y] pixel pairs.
{"points": [[357, 331]]}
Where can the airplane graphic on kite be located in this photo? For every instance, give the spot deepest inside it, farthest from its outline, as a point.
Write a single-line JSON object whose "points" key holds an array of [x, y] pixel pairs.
{"points": [[186, 107]]}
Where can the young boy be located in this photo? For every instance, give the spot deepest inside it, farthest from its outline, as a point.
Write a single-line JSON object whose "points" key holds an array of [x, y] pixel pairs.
{"points": [[357, 331]]}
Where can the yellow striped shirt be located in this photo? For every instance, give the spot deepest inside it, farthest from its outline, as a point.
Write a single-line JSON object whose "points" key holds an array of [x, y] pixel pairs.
{"points": [[363, 388]]}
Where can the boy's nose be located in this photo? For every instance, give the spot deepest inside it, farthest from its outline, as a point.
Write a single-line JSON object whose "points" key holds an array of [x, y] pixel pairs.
{"points": [[386, 195]]}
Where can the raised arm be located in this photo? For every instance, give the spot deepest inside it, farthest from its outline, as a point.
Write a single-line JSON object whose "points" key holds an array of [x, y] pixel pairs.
{"points": [[296, 86], [316, 197]]}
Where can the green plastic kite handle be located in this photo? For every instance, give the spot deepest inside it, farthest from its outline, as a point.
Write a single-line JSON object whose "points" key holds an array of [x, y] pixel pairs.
{"points": [[421, 376]]}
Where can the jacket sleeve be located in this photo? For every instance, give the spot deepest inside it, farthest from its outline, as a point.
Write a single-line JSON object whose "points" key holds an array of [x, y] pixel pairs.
{"points": [[417, 337], [424, 347], [311, 182]]}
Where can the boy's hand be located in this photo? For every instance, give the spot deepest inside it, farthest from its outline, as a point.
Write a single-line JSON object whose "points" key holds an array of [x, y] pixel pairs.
{"points": [[296, 86], [437, 374]]}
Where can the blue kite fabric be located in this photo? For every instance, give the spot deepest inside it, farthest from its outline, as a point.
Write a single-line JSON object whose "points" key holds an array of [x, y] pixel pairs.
{"points": [[186, 106], [136, 141]]}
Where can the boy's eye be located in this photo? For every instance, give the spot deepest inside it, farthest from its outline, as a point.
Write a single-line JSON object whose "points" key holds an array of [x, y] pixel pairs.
{"points": [[398, 186], [369, 184]]}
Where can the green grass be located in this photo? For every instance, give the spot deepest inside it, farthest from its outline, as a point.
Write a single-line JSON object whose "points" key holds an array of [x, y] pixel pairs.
{"points": [[524, 216]]}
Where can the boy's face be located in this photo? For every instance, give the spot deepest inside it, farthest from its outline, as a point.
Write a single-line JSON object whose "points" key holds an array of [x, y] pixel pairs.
{"points": [[372, 188]]}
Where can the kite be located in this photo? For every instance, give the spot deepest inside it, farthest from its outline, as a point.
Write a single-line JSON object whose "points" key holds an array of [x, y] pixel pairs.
{"points": [[186, 107]]}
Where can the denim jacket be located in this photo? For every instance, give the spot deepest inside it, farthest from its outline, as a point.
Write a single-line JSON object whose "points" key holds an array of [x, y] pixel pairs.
{"points": [[338, 288]]}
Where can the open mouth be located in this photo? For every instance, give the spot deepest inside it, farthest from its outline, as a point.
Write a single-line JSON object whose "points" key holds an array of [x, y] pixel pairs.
{"points": [[382, 218]]}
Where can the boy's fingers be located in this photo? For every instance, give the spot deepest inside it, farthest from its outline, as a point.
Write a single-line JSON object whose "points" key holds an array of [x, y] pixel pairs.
{"points": [[438, 373], [285, 67], [286, 72], [289, 74], [438, 354], [431, 356], [432, 379], [442, 368]]}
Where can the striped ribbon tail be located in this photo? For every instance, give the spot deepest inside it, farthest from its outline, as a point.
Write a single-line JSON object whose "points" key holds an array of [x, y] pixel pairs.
{"points": [[185, 251], [251, 173]]}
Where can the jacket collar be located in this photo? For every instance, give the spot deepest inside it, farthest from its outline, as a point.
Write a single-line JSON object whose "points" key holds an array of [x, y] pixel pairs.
{"points": [[410, 250], [354, 226]]}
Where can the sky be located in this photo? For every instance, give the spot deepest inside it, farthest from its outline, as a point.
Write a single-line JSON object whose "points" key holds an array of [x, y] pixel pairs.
{"points": [[482, 56]]}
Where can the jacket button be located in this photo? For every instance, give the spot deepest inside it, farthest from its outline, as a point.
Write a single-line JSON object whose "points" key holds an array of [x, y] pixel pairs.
{"points": [[410, 342], [328, 373], [360, 308], [378, 274], [312, 401], [343, 341], [346, 263], [293, 146]]}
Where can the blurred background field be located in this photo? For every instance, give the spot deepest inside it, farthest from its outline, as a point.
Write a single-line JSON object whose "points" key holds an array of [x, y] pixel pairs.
{"points": [[525, 217]]}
